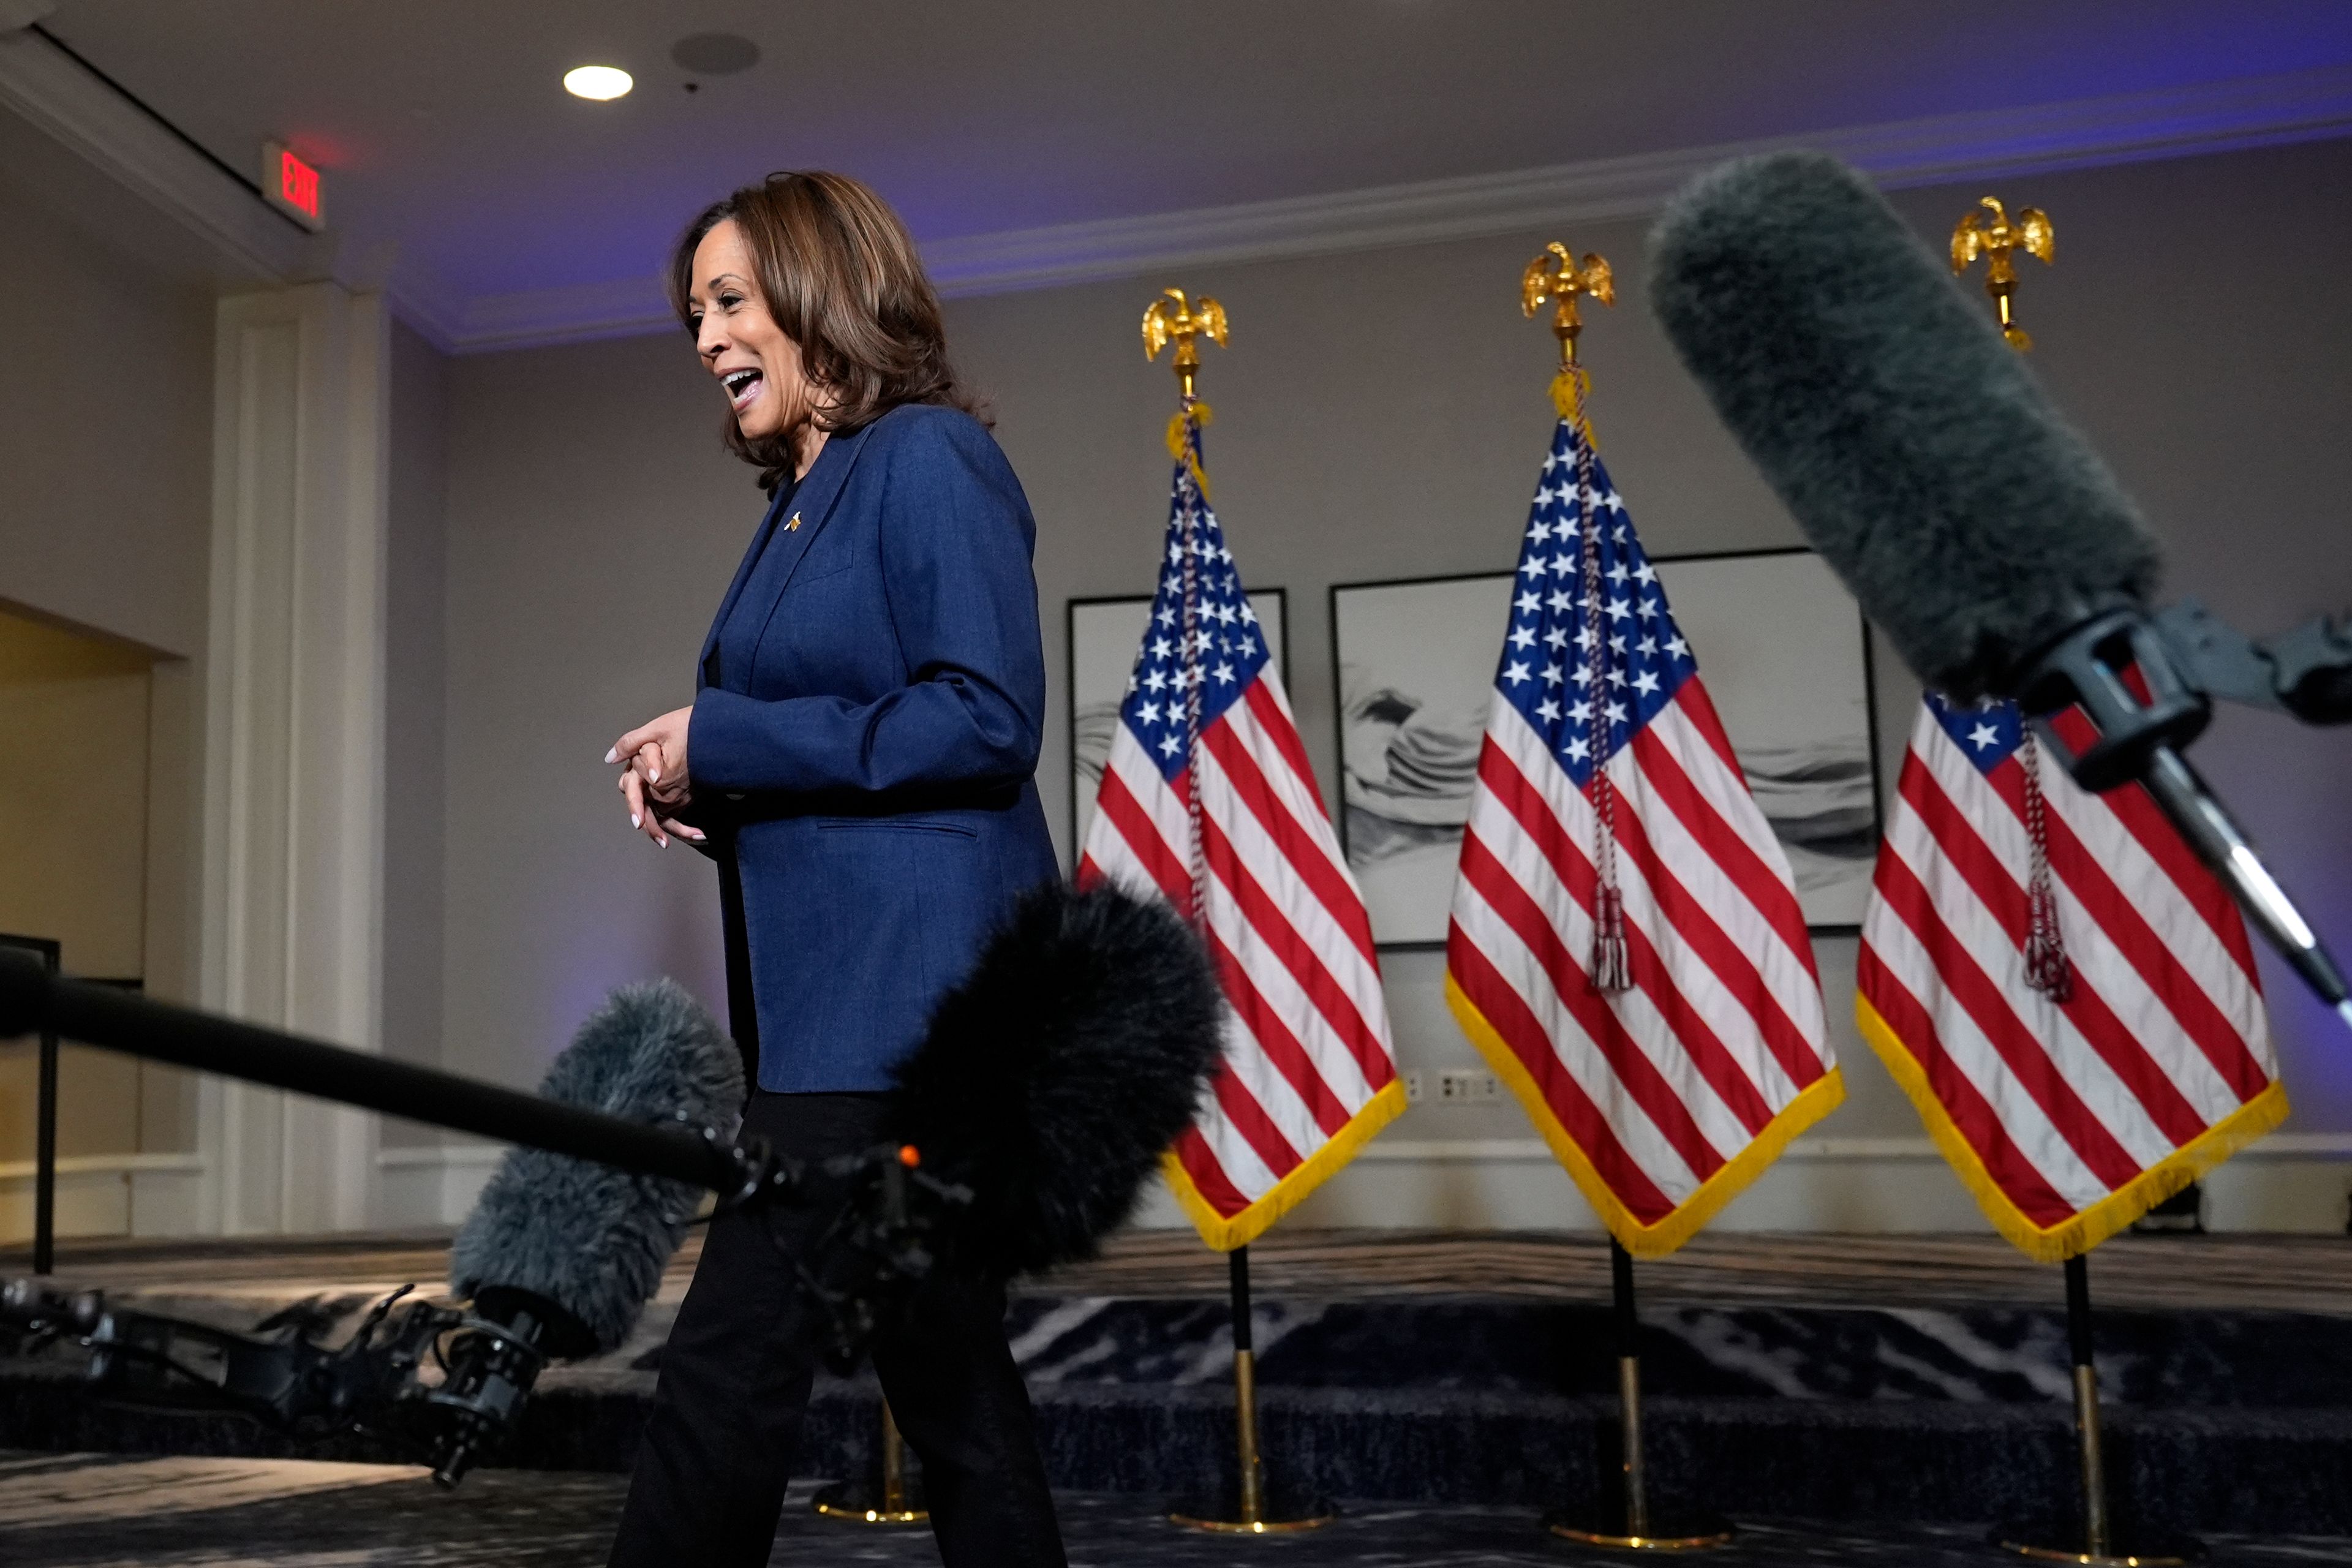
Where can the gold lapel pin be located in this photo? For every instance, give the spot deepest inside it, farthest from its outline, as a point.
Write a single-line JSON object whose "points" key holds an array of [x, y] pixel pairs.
{"points": [[794, 524]]}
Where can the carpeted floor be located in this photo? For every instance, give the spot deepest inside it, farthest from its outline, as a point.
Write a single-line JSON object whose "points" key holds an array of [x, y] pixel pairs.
{"points": [[108, 1511], [1887, 1378]]}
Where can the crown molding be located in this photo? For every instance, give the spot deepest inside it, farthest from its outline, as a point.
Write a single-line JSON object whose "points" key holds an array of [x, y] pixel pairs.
{"points": [[247, 242], [2214, 118], [48, 90], [616, 308], [1982, 145]]}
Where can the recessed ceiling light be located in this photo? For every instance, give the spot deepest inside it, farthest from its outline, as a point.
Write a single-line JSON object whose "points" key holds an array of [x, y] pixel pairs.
{"points": [[599, 82]]}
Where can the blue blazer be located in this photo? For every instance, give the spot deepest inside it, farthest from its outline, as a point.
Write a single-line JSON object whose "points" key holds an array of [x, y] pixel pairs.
{"points": [[865, 739]]}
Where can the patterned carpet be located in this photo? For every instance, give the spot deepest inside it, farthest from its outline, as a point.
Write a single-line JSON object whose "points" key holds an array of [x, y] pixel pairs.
{"points": [[2274, 1273], [1882, 1378], [103, 1511]]}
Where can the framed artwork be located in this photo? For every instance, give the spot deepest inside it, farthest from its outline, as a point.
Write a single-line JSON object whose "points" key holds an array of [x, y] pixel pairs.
{"points": [[1104, 636], [1780, 644]]}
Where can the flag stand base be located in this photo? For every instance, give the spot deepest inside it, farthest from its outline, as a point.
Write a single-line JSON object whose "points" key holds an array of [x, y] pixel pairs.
{"points": [[1245, 1511], [2092, 1539], [1634, 1525], [1661, 1535], [2036, 1542], [1228, 1521], [856, 1502], [890, 1500]]}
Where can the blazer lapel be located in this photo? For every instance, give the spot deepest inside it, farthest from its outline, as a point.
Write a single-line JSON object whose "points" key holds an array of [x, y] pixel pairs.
{"points": [[775, 556], [812, 504], [751, 554]]}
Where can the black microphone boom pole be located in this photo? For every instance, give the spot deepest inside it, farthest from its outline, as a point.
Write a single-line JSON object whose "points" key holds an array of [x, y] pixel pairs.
{"points": [[1050, 1080], [116, 1020], [493, 1353]]}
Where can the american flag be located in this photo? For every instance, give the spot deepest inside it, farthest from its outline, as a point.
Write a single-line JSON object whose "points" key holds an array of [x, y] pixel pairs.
{"points": [[2141, 1057], [1665, 1097], [1208, 801]]}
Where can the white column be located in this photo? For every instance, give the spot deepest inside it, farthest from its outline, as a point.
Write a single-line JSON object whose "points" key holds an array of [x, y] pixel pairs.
{"points": [[293, 836]]}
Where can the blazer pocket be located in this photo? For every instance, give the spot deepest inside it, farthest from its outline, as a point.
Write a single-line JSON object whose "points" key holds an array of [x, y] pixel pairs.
{"points": [[906, 928], [891, 824], [802, 579]]}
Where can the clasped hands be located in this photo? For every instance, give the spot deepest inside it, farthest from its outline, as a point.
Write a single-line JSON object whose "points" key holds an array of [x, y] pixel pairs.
{"points": [[654, 778]]}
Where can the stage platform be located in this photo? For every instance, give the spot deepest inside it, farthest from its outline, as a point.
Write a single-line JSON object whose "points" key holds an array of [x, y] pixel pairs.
{"points": [[1911, 1380]]}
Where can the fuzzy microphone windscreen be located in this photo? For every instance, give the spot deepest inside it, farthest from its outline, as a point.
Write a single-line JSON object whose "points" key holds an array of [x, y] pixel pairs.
{"points": [[1917, 454], [588, 1238], [1051, 1080]]}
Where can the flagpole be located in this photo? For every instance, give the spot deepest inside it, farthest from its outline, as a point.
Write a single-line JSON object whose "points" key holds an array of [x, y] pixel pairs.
{"points": [[2094, 1531], [2094, 1538], [1248, 1513], [1629, 1388], [1630, 1524], [1253, 1468], [888, 1499], [1558, 278]]}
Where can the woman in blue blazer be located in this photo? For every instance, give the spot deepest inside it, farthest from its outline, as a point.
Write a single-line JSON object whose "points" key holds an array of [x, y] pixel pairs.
{"points": [[858, 759]]}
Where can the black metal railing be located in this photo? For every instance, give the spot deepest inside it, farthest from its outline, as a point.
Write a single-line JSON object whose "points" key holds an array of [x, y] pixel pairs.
{"points": [[44, 1123]]}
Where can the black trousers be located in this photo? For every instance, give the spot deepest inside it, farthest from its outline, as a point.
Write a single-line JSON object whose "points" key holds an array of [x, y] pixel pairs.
{"points": [[734, 1389]]}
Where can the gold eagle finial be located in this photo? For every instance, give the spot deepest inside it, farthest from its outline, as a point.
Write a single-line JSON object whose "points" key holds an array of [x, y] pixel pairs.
{"points": [[1998, 239], [1182, 325], [1556, 276]]}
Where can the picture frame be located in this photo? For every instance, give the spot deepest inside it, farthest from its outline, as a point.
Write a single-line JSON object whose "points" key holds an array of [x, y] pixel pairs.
{"points": [[1786, 656], [1104, 637]]}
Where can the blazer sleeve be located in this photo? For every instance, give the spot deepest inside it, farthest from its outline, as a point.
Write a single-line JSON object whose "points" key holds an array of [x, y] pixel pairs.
{"points": [[956, 536]]}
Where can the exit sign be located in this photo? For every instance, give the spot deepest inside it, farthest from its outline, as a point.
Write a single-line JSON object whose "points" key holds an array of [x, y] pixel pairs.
{"points": [[291, 185]]}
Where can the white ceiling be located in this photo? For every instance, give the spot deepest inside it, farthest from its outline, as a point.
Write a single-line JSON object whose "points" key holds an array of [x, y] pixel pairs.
{"points": [[444, 130]]}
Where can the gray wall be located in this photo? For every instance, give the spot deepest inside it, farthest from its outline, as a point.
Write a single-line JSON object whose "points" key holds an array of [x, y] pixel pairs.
{"points": [[1379, 414], [106, 396], [106, 399], [593, 522]]}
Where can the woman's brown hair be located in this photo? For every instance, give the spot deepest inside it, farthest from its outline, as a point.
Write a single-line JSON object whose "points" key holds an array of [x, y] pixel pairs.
{"points": [[841, 278]]}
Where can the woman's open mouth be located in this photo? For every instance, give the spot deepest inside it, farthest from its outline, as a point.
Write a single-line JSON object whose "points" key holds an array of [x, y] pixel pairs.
{"points": [[743, 387]]}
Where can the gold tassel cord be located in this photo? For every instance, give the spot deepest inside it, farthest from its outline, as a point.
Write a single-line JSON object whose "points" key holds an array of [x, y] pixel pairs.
{"points": [[1182, 321], [1998, 240], [1570, 388], [1612, 965], [1556, 277], [2047, 967], [1183, 427]]}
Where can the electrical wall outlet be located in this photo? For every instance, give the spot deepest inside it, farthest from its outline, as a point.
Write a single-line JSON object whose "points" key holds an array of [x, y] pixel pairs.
{"points": [[1413, 1087], [1467, 1086]]}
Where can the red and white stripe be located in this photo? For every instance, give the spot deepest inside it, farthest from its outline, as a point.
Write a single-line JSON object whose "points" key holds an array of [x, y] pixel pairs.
{"points": [[2159, 1059], [1664, 1098], [1309, 1069]]}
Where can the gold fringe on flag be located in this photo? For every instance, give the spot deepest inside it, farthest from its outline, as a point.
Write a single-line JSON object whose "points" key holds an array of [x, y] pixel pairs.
{"points": [[2112, 1214]]}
